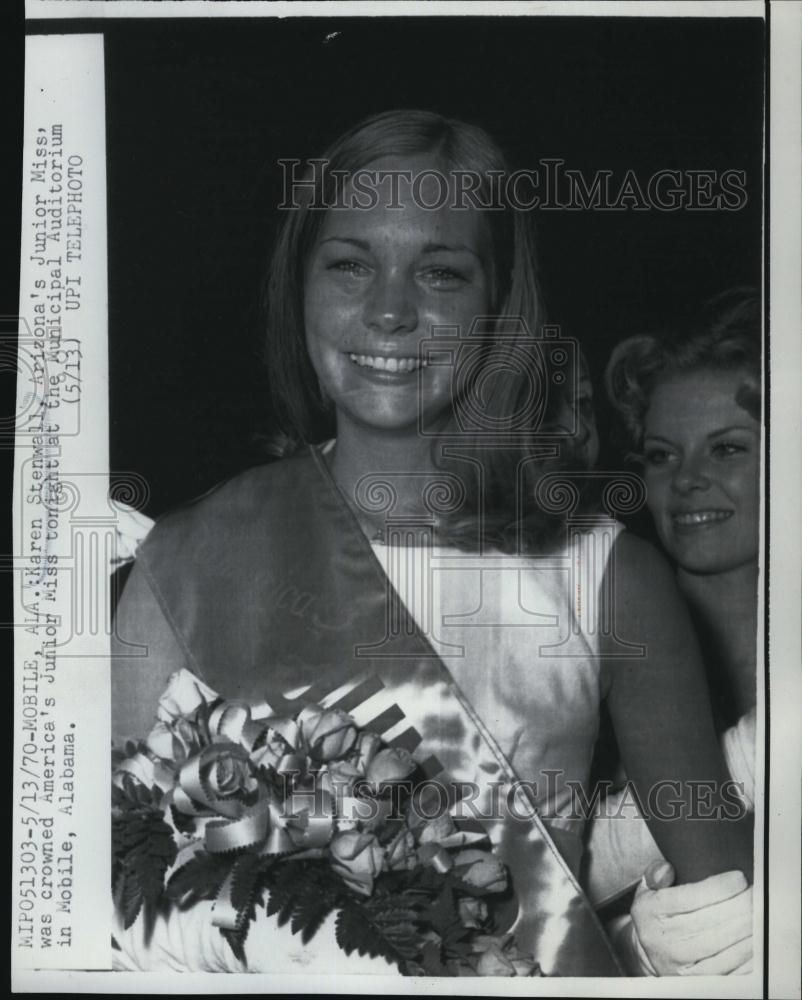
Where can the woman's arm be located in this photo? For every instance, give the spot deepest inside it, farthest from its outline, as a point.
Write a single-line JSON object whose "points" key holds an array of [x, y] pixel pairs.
{"points": [[661, 712]]}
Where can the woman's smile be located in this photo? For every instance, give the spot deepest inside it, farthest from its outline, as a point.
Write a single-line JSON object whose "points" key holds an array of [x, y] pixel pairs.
{"points": [[700, 518], [388, 365]]}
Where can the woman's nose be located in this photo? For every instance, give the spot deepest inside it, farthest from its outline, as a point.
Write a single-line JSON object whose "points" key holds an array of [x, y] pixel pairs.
{"points": [[689, 475], [390, 306]]}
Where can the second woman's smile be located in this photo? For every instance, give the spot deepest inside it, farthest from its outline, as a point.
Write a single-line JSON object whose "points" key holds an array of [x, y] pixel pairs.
{"points": [[700, 518]]}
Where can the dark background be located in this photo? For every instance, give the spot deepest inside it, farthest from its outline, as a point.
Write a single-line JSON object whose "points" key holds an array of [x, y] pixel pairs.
{"points": [[199, 112]]}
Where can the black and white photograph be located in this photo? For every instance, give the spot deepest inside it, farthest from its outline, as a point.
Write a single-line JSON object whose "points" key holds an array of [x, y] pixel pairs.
{"points": [[392, 505]]}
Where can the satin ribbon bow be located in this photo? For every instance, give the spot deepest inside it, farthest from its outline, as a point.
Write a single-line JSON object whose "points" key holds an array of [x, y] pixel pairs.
{"points": [[224, 788]]}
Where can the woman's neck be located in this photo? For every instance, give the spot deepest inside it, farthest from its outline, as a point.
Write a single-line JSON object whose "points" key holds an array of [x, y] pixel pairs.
{"points": [[382, 475], [724, 606]]}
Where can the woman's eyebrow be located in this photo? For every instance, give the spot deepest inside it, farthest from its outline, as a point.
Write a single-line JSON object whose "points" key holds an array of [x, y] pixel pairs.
{"points": [[449, 248], [360, 244], [427, 248], [733, 427]]}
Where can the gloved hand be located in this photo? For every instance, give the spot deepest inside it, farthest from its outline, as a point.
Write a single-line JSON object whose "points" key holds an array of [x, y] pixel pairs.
{"points": [[700, 929], [131, 530]]}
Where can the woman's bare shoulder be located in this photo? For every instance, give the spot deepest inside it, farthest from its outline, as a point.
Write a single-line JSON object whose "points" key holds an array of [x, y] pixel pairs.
{"points": [[635, 562], [642, 601]]}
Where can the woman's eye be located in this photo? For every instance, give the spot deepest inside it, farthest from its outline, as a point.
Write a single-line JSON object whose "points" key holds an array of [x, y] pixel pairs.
{"points": [[444, 277], [352, 268], [728, 449], [657, 456]]}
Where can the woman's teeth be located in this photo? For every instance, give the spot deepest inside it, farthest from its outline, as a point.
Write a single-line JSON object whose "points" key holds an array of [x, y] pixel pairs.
{"points": [[387, 364], [702, 517]]}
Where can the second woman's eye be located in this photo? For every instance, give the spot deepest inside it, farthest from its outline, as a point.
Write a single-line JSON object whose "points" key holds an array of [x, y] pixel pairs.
{"points": [[657, 456], [728, 449]]}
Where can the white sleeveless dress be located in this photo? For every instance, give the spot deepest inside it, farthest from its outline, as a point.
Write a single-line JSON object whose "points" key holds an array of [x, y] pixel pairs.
{"points": [[520, 637]]}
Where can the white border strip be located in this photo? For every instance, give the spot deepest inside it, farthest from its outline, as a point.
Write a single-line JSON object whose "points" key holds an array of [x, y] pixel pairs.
{"points": [[72, 9], [64, 524], [181, 983], [785, 643]]}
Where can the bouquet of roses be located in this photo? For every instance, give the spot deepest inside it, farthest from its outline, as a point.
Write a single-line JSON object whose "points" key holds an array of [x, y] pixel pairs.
{"points": [[304, 815]]}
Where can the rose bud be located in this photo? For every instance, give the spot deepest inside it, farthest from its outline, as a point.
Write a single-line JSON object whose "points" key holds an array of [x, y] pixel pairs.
{"points": [[330, 734], [160, 741], [140, 767], [183, 695], [271, 751], [367, 746], [484, 870], [186, 740], [472, 912], [173, 741], [436, 830], [343, 776], [390, 767], [229, 774], [308, 716], [147, 772], [357, 858]]}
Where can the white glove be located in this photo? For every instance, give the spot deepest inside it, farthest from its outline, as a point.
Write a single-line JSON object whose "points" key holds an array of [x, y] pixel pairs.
{"points": [[700, 929], [738, 744], [131, 529]]}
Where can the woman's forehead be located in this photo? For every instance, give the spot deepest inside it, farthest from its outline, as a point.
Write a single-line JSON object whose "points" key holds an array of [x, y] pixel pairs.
{"points": [[701, 398], [392, 211]]}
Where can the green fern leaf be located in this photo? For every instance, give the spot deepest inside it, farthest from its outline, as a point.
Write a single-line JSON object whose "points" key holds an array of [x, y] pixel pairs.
{"points": [[317, 896], [283, 887], [432, 961], [353, 932], [236, 942], [200, 878], [129, 899]]}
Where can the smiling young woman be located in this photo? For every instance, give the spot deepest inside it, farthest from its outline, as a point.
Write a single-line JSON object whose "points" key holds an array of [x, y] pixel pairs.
{"points": [[278, 580], [691, 405]]}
